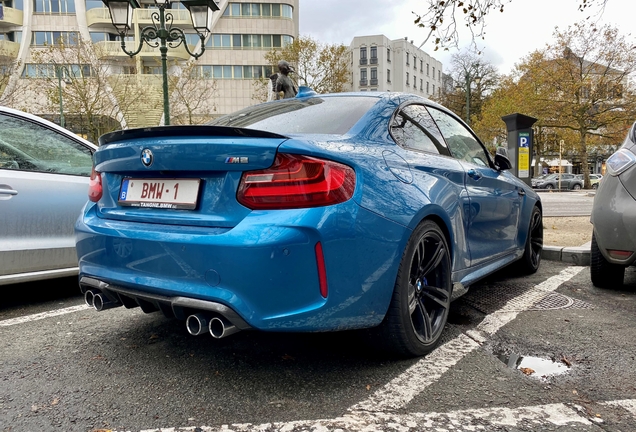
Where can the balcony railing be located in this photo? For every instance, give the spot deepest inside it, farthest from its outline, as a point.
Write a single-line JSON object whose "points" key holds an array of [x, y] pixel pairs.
{"points": [[9, 49], [113, 49], [374, 60], [181, 17], [12, 17], [363, 61], [374, 81], [363, 82], [98, 16]]}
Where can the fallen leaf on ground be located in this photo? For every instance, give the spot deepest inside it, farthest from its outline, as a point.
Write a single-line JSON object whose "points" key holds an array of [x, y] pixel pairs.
{"points": [[527, 371]]}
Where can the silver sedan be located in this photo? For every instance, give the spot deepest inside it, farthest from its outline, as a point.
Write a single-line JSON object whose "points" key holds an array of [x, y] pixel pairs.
{"points": [[44, 175]]}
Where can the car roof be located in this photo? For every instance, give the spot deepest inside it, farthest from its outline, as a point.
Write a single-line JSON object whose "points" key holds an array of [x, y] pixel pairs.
{"points": [[38, 119]]}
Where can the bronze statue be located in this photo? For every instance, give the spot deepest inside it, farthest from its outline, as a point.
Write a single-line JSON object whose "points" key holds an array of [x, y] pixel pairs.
{"points": [[284, 84]]}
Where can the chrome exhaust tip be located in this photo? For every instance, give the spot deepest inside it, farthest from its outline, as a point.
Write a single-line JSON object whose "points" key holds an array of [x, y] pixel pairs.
{"points": [[197, 324], [89, 296], [101, 302], [220, 328]]}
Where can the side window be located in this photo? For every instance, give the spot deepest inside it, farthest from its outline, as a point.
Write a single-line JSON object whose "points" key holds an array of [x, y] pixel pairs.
{"points": [[462, 143], [27, 146], [413, 128]]}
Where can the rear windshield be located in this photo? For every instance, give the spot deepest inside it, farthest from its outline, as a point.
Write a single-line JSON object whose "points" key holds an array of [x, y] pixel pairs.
{"points": [[330, 115]]}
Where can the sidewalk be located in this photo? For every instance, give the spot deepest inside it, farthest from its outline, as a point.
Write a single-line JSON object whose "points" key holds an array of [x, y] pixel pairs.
{"points": [[578, 255]]}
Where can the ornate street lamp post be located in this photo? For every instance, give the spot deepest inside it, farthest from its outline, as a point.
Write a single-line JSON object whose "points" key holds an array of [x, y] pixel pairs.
{"points": [[161, 34]]}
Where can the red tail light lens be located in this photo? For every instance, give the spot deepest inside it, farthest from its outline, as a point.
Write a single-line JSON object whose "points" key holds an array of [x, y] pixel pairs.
{"points": [[296, 181], [95, 186]]}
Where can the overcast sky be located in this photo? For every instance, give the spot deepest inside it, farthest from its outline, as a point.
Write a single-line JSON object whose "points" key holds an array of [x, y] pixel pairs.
{"points": [[524, 26]]}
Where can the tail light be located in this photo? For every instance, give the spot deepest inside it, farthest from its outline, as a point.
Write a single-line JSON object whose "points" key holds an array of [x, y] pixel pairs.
{"points": [[296, 181], [95, 186]]}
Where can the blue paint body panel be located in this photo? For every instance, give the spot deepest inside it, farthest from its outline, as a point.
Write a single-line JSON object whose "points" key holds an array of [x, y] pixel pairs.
{"points": [[263, 264]]}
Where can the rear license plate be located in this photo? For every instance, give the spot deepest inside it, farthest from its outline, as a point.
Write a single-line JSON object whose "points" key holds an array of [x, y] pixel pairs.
{"points": [[159, 193]]}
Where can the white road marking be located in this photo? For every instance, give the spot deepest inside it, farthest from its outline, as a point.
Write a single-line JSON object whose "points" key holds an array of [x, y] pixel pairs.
{"points": [[43, 315], [628, 404], [463, 420], [401, 390]]}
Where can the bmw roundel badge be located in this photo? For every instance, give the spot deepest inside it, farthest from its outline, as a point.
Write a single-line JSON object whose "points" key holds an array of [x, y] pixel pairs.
{"points": [[146, 157]]}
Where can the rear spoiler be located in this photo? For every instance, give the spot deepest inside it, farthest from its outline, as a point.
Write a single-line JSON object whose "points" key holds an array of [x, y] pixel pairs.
{"points": [[187, 130]]}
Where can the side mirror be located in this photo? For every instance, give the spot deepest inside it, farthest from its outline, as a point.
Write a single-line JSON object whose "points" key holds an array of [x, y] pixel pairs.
{"points": [[502, 162]]}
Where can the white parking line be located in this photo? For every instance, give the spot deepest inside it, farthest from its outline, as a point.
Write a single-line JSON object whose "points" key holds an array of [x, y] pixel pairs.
{"points": [[537, 416], [628, 404], [43, 315], [402, 389]]}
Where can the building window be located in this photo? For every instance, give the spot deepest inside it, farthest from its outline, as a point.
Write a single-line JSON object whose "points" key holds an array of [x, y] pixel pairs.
{"points": [[427, 69], [433, 73], [433, 88], [407, 79], [421, 85], [54, 7], [439, 75], [363, 76], [374, 55], [388, 75], [363, 55], [40, 38], [246, 41], [388, 55], [374, 76], [44, 70], [421, 65], [259, 10], [427, 88], [407, 59]]}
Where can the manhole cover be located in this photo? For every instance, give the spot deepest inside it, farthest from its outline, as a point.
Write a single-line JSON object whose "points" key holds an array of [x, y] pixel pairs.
{"points": [[555, 301]]}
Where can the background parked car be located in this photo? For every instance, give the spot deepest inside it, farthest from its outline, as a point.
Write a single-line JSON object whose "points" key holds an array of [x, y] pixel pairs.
{"points": [[594, 179], [551, 181], [44, 173], [317, 213], [614, 218]]}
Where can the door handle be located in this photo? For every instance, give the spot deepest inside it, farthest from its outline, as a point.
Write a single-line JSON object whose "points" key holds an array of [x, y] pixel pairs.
{"points": [[475, 175], [522, 192], [8, 191]]}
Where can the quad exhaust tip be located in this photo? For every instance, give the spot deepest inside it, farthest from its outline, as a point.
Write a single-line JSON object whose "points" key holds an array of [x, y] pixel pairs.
{"points": [[219, 327]]}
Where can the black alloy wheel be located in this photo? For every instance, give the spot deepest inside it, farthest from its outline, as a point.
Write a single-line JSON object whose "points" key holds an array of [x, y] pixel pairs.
{"points": [[576, 186], [529, 262], [549, 186], [421, 299]]}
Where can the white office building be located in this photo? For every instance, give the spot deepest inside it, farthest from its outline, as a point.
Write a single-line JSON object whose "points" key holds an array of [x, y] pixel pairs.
{"points": [[243, 31]]}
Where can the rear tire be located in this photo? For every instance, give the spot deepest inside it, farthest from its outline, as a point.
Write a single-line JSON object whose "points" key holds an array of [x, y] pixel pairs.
{"points": [[603, 273], [576, 186], [419, 307], [549, 187], [531, 259]]}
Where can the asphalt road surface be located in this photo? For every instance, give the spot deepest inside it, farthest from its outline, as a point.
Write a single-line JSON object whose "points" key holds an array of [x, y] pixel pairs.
{"points": [[567, 203], [64, 367]]}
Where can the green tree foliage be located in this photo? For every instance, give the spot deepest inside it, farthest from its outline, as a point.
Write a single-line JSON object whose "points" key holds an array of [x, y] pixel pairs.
{"points": [[578, 87], [323, 67]]}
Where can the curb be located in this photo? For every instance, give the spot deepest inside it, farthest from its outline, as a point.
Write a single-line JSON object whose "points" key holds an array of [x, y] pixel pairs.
{"points": [[577, 255]]}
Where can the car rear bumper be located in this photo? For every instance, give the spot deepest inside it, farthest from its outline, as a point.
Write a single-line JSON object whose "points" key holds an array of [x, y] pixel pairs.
{"points": [[613, 216], [265, 269]]}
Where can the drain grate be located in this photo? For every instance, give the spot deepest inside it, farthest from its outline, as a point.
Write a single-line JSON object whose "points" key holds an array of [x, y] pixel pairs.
{"points": [[556, 301], [491, 298]]}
